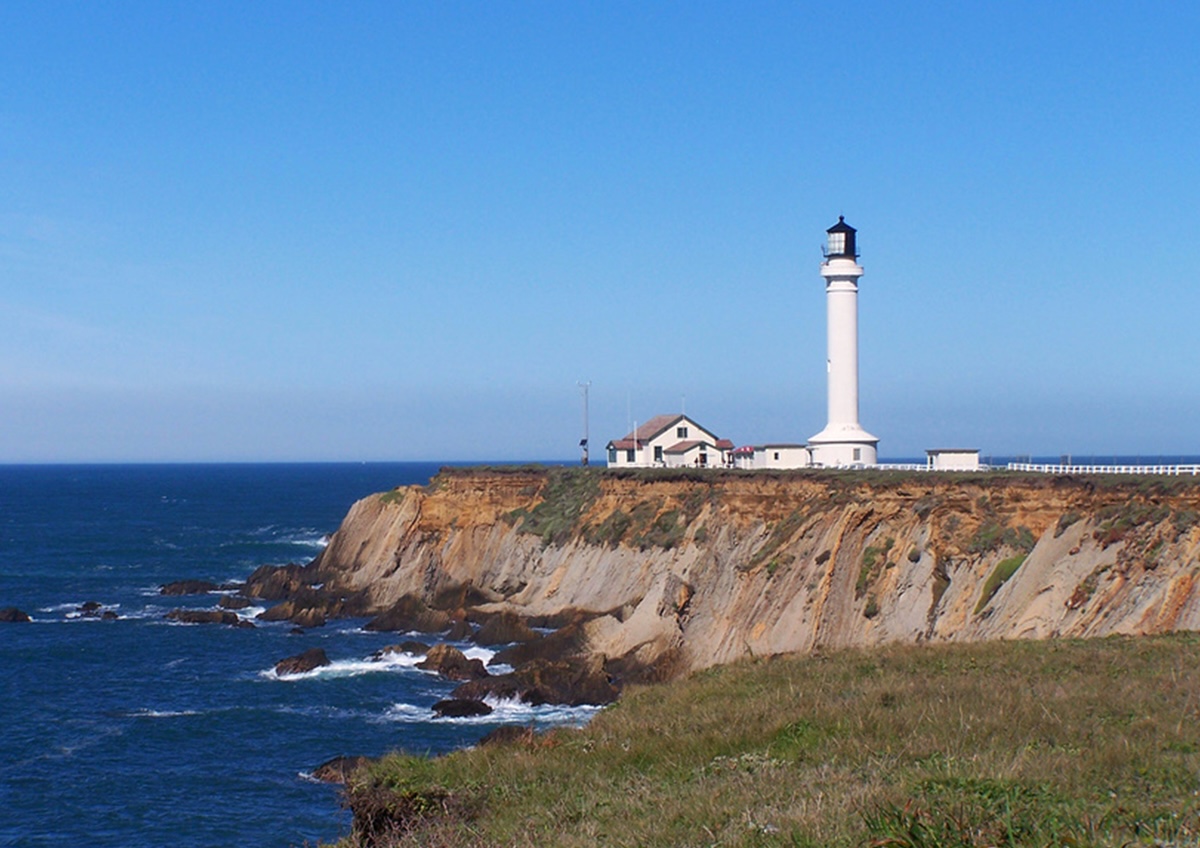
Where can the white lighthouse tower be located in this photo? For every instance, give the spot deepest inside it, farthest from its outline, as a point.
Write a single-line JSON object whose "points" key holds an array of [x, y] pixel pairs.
{"points": [[843, 442]]}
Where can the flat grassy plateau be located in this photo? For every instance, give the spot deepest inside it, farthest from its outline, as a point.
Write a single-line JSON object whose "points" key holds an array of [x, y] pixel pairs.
{"points": [[1086, 743]]}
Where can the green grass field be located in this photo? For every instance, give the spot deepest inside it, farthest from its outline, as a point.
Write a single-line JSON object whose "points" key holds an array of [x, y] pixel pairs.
{"points": [[1084, 743]]}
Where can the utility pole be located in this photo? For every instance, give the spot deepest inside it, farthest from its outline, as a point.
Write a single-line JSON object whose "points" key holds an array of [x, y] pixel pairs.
{"points": [[583, 443]]}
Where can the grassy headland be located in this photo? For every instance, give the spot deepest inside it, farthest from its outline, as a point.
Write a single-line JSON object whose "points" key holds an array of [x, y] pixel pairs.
{"points": [[1086, 743]]}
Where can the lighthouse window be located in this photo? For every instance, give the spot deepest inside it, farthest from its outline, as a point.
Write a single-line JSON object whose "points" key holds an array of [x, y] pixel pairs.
{"points": [[857, 454], [837, 243]]}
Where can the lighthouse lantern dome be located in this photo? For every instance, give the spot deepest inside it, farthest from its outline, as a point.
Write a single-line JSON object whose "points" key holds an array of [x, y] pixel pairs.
{"points": [[841, 240]]}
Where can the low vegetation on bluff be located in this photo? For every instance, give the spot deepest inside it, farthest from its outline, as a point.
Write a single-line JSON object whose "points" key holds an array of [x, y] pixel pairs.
{"points": [[1083, 743]]}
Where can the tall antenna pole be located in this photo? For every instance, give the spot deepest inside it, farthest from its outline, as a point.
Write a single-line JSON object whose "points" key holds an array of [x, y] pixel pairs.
{"points": [[583, 443]]}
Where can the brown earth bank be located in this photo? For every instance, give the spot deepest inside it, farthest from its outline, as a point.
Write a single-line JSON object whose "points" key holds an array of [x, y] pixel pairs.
{"points": [[665, 572]]}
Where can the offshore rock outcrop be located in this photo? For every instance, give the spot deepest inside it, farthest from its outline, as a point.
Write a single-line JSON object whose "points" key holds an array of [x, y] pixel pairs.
{"points": [[672, 571]]}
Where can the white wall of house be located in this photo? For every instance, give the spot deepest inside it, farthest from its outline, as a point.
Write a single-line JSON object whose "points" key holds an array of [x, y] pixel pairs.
{"points": [[781, 456], [953, 459], [703, 455], [621, 458]]}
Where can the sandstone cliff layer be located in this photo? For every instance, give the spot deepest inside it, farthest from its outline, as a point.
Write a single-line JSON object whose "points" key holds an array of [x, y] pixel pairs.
{"points": [[691, 569]]}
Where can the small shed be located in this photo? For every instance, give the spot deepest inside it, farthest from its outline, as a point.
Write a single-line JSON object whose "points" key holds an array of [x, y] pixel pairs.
{"points": [[952, 459]]}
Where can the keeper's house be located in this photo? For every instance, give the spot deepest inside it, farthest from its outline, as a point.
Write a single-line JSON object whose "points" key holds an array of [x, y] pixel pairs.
{"points": [[670, 441]]}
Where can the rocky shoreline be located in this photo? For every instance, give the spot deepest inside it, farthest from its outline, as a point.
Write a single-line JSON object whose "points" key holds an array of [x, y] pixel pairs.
{"points": [[542, 660]]}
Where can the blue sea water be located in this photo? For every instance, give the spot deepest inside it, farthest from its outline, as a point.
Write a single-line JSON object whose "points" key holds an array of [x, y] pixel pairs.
{"points": [[143, 732]]}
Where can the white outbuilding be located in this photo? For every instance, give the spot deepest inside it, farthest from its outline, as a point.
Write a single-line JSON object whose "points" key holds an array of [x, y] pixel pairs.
{"points": [[952, 459]]}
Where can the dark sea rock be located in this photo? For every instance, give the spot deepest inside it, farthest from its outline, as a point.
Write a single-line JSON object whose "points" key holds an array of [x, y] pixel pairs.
{"points": [[500, 686], [571, 682], [461, 708], [458, 597], [109, 615], [570, 615], [90, 607], [187, 587], [417, 649], [12, 615], [503, 629], [233, 602], [282, 611], [565, 642], [509, 734], [452, 664], [300, 663], [190, 616], [308, 618], [630, 669], [274, 582], [410, 613], [460, 631], [338, 769]]}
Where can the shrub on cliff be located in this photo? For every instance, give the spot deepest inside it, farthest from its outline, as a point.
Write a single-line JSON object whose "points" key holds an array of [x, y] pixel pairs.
{"points": [[1003, 571], [566, 495]]}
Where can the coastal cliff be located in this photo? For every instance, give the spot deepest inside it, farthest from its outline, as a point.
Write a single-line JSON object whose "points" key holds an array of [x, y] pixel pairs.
{"points": [[680, 570]]}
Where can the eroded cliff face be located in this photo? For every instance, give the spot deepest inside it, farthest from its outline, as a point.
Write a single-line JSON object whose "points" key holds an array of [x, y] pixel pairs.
{"points": [[689, 570]]}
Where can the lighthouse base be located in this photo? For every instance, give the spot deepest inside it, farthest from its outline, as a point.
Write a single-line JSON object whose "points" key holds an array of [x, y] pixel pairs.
{"points": [[843, 446]]}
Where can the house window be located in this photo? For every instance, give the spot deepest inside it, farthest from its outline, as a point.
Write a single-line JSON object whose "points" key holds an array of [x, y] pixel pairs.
{"points": [[681, 432], [857, 454], [703, 460], [612, 456], [658, 453], [629, 455], [777, 455]]}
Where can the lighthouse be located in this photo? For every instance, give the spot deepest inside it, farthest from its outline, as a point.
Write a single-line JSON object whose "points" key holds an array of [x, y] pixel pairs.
{"points": [[843, 442]]}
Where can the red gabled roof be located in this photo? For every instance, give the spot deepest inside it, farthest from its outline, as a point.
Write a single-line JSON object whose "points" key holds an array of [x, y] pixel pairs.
{"points": [[684, 447], [653, 427], [724, 444]]}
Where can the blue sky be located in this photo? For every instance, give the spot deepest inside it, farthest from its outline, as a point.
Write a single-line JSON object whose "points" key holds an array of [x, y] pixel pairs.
{"points": [[342, 231]]}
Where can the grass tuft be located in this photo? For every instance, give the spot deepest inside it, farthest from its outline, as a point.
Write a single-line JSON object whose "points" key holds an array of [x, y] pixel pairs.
{"points": [[1000, 575]]}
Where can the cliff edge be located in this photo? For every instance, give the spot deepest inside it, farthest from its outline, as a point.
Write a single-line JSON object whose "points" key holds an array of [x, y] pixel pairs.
{"points": [[681, 570]]}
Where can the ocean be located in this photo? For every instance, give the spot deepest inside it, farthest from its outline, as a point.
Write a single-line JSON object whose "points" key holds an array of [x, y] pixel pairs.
{"points": [[140, 732]]}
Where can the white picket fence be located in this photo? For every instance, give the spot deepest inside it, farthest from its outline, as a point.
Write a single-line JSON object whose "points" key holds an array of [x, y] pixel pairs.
{"points": [[1170, 470]]}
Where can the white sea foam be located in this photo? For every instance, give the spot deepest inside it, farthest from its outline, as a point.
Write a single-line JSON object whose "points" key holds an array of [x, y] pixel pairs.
{"points": [[61, 607], [74, 612], [388, 663], [273, 534], [504, 711], [477, 653], [514, 711], [148, 713]]}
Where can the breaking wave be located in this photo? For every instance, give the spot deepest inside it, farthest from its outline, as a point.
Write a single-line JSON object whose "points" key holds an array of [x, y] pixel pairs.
{"points": [[504, 711]]}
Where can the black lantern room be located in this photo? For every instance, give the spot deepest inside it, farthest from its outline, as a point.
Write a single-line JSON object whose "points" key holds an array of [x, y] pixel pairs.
{"points": [[841, 241]]}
